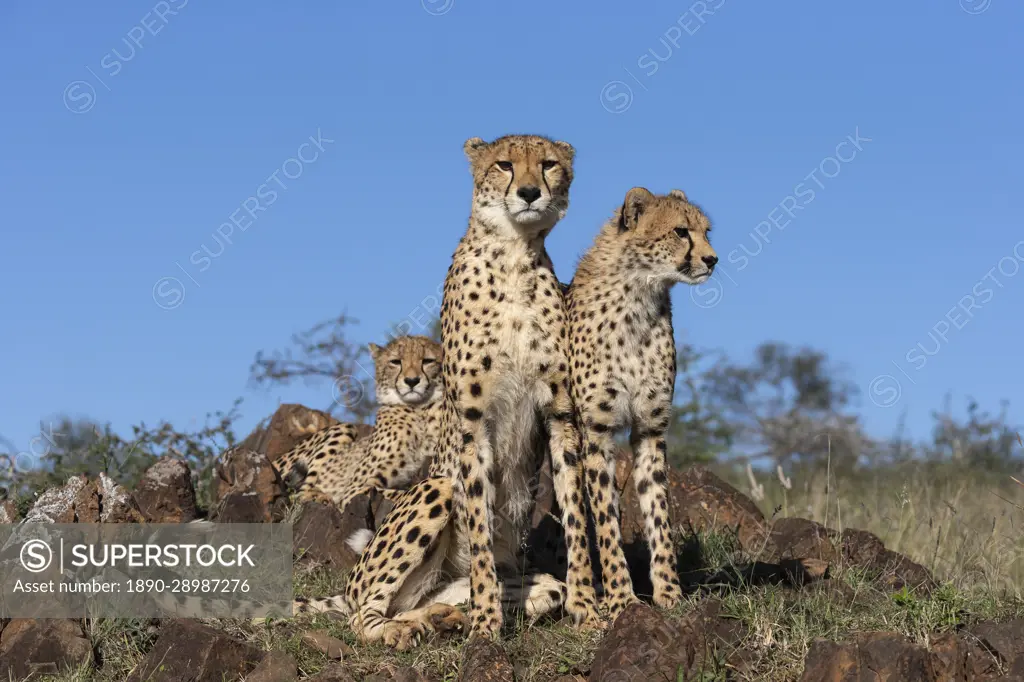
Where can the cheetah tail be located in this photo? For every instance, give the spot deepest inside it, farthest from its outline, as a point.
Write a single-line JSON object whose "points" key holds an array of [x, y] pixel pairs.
{"points": [[359, 540]]}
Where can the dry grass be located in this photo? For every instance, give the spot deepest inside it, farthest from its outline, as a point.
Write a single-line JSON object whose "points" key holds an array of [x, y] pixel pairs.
{"points": [[967, 529]]}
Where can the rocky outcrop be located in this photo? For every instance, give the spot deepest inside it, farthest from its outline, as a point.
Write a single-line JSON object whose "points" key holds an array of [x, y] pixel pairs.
{"points": [[187, 651], [247, 488], [485, 661], [166, 494], [643, 644], [290, 424], [37, 647], [81, 500]]}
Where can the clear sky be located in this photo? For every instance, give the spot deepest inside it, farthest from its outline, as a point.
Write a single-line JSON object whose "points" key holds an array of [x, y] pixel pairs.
{"points": [[860, 162]]}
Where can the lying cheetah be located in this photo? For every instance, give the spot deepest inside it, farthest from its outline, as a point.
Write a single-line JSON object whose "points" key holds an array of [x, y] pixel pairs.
{"points": [[337, 464], [506, 397], [624, 366]]}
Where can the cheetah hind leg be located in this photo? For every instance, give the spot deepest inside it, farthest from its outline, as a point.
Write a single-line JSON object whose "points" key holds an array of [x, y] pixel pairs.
{"points": [[400, 568], [392, 495]]}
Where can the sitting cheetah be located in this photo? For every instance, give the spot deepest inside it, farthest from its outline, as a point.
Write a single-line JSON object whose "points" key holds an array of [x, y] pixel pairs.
{"points": [[624, 367], [339, 465], [506, 397]]}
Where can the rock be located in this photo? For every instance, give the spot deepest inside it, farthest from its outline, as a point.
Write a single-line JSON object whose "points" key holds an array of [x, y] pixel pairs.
{"points": [[996, 647], [118, 505], [884, 656], [796, 538], [698, 500], [57, 505], [485, 661], [331, 647], [335, 672], [276, 666], [320, 532], [80, 500], [8, 512], [187, 651], [949, 657], [165, 494], [290, 424], [865, 550], [247, 488], [643, 645], [242, 507], [30, 646]]}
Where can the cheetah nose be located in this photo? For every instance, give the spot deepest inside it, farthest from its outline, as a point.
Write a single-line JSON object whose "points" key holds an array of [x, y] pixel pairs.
{"points": [[529, 194], [412, 381], [710, 261]]}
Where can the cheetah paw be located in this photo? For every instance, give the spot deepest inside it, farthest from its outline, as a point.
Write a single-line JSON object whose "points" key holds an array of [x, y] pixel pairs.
{"points": [[586, 616], [403, 635], [668, 598], [445, 618]]}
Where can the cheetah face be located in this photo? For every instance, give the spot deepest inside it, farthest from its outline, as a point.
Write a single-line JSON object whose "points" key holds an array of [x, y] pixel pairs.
{"points": [[667, 237], [521, 182], [408, 371]]}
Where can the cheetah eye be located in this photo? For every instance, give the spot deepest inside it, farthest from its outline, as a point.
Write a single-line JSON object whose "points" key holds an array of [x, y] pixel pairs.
{"points": [[396, 362], [429, 361], [682, 232], [548, 165], [505, 165]]}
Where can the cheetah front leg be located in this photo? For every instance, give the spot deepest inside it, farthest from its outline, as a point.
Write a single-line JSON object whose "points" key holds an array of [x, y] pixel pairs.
{"points": [[477, 502], [650, 477], [567, 472], [604, 503]]}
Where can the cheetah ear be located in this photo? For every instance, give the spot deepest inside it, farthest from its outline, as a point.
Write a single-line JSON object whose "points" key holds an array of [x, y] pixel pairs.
{"points": [[678, 194], [374, 350], [473, 147], [566, 149], [637, 201]]}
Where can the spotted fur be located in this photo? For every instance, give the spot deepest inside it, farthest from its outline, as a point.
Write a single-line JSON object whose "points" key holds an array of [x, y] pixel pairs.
{"points": [[337, 464], [506, 405], [623, 368]]}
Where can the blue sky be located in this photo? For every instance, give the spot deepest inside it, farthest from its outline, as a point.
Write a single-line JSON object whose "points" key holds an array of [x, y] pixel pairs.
{"points": [[860, 163]]}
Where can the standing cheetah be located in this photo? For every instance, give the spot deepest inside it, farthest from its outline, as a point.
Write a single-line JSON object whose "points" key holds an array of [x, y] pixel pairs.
{"points": [[336, 464], [506, 383], [624, 367]]}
